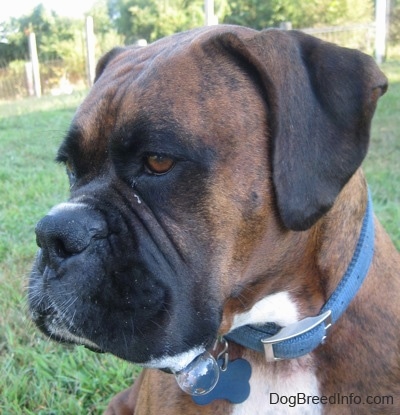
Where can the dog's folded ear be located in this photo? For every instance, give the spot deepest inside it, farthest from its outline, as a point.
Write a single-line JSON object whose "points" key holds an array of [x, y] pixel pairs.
{"points": [[321, 99], [106, 59]]}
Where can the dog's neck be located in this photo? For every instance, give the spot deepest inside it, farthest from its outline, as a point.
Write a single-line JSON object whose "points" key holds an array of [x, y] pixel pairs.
{"points": [[341, 227], [293, 299]]}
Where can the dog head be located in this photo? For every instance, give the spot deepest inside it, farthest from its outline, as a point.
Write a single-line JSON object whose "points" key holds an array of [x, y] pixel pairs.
{"points": [[192, 162]]}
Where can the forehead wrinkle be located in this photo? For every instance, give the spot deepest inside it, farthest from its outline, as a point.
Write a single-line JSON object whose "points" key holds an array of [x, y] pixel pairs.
{"points": [[97, 116]]}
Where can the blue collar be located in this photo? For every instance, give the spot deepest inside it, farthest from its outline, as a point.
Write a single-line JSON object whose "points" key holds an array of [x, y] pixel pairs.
{"points": [[302, 337]]}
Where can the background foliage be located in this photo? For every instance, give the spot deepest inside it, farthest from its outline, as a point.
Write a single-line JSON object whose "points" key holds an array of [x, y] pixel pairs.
{"points": [[152, 19], [125, 21], [302, 13]]}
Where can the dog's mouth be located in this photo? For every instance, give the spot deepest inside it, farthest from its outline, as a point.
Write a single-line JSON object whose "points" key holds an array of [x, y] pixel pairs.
{"points": [[52, 324], [62, 320]]}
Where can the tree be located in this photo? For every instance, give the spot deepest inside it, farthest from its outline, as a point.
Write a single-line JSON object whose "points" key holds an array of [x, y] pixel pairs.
{"points": [[59, 44], [394, 29], [153, 19], [13, 45], [257, 14], [104, 27], [55, 36], [302, 13]]}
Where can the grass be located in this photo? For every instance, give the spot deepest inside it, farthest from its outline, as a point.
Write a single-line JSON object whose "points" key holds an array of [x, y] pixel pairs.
{"points": [[382, 165], [40, 377]]}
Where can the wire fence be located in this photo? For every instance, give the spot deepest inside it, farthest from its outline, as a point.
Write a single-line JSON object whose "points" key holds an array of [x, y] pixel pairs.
{"points": [[65, 76], [360, 36], [56, 78]]}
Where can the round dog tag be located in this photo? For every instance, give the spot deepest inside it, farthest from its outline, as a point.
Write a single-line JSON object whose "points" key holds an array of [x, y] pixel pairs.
{"points": [[200, 376]]}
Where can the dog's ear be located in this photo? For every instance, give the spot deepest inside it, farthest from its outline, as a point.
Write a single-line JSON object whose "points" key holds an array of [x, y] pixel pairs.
{"points": [[106, 59], [321, 99]]}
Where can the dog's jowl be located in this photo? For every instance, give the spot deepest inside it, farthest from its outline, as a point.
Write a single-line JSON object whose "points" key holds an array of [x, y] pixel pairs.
{"points": [[220, 231]]}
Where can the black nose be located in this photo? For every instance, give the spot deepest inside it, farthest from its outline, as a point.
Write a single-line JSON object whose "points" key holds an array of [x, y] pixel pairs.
{"points": [[69, 231]]}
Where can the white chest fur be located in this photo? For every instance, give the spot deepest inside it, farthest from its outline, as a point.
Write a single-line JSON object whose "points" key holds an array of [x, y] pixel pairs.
{"points": [[282, 392], [281, 388]]}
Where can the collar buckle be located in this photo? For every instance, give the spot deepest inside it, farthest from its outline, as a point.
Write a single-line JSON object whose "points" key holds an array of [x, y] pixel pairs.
{"points": [[295, 330]]}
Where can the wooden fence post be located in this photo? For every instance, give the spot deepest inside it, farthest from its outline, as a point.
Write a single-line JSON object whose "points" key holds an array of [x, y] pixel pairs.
{"points": [[90, 51], [381, 30], [29, 78], [209, 16], [35, 65], [285, 26]]}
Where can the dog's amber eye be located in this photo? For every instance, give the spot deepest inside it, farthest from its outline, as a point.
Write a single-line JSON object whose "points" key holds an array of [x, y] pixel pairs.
{"points": [[158, 164]]}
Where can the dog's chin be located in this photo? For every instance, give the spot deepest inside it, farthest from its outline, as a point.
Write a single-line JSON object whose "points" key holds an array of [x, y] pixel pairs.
{"points": [[175, 363], [55, 329]]}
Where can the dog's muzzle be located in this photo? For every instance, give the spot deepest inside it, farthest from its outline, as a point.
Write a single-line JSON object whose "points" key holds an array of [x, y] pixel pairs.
{"points": [[112, 282], [81, 291]]}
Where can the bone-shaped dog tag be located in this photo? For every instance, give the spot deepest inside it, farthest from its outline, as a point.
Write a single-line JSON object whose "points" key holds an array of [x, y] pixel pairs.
{"points": [[233, 384]]}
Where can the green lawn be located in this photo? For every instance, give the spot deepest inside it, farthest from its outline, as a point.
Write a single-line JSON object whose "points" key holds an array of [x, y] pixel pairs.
{"points": [[382, 165], [38, 376], [41, 377]]}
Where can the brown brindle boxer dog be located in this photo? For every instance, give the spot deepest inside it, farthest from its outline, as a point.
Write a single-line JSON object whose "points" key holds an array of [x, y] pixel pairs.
{"points": [[216, 191]]}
